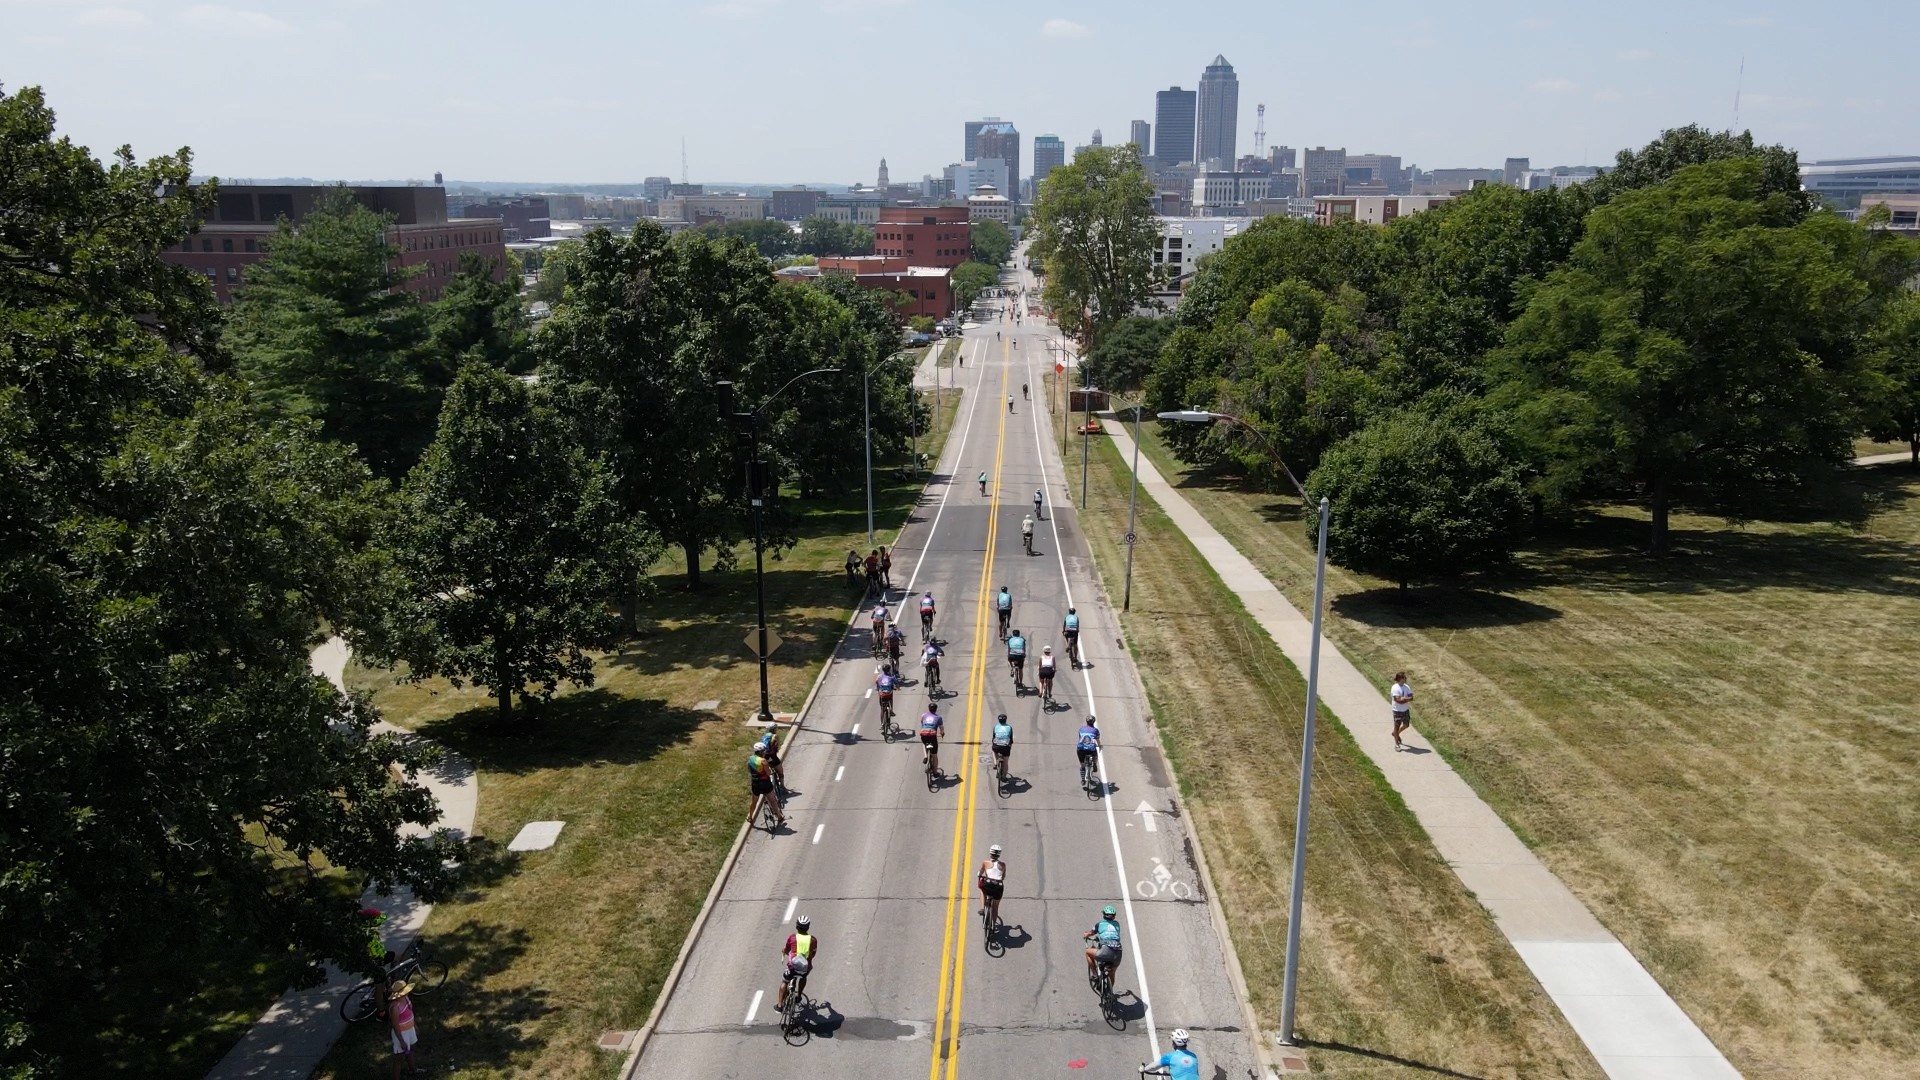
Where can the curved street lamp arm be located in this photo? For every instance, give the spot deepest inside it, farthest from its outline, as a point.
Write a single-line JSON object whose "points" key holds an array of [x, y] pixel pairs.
{"points": [[771, 397]]}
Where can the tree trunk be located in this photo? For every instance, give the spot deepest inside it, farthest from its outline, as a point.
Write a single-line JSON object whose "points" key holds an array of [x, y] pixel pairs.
{"points": [[503, 681], [1913, 444], [692, 548], [1659, 503]]}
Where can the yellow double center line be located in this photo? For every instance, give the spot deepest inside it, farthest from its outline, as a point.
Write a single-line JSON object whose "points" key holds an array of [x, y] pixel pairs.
{"points": [[953, 950]]}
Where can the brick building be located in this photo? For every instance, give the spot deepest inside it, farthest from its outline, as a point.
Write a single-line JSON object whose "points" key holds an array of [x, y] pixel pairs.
{"points": [[245, 217], [924, 235], [924, 290]]}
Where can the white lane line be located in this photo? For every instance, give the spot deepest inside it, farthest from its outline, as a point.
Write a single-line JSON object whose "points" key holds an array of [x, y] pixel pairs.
{"points": [[837, 774], [753, 1008], [868, 694], [1106, 800], [959, 452], [855, 732], [791, 904], [817, 830]]}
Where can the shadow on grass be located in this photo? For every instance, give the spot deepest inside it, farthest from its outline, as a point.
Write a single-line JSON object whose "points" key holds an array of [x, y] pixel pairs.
{"points": [[1440, 607], [588, 726], [1391, 1059]]}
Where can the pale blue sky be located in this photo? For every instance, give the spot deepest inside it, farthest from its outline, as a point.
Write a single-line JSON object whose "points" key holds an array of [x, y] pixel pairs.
{"points": [[796, 90]]}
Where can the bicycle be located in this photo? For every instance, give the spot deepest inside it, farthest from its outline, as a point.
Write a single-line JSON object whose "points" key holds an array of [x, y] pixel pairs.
{"points": [[1027, 539], [1006, 619], [1089, 776], [416, 966], [1046, 690], [769, 819], [1017, 666], [879, 636], [887, 727], [1073, 649], [933, 678], [793, 1024], [933, 770], [926, 625]]}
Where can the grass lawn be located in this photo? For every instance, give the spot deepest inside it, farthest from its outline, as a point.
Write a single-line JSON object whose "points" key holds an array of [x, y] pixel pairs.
{"points": [[563, 944], [1403, 973], [1716, 751]]}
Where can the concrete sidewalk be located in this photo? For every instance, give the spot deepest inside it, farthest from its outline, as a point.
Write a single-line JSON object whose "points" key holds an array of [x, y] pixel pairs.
{"points": [[1626, 1020], [291, 1037]]}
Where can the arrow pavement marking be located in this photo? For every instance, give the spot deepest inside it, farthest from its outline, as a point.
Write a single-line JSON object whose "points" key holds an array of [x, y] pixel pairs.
{"points": [[1145, 810]]}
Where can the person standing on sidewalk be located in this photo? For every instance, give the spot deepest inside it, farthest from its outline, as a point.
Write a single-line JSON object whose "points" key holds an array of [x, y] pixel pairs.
{"points": [[399, 1013], [1402, 695]]}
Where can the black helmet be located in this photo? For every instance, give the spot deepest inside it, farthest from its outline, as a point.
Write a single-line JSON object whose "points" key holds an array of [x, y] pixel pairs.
{"points": [[933, 706], [802, 923], [1071, 611], [1002, 719]]}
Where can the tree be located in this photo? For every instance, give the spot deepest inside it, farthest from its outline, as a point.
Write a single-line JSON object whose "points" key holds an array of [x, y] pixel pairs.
{"points": [[1420, 494], [970, 279], [825, 236], [1706, 337], [172, 771], [991, 243], [322, 329], [1095, 229], [511, 541], [1126, 356], [556, 267], [770, 238], [1896, 406], [477, 320], [1677, 148]]}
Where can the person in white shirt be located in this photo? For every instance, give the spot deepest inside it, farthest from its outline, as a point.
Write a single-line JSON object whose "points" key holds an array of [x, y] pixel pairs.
{"points": [[1402, 695]]}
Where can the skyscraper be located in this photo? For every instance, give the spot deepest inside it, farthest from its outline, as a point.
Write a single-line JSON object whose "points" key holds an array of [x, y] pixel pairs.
{"points": [[1173, 112], [1049, 153], [1516, 169], [1142, 136], [1219, 113], [999, 139]]}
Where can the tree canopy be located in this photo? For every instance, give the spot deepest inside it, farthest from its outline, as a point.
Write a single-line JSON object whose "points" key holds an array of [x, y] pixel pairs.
{"points": [[825, 236], [991, 243], [1095, 229], [477, 320], [970, 279]]}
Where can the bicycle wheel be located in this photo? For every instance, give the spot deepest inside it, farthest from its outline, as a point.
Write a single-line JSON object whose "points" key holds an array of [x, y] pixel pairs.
{"points": [[359, 1003], [933, 779], [428, 976]]}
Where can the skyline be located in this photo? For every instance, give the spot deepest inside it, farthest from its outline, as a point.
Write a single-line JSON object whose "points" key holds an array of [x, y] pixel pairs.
{"points": [[585, 96]]}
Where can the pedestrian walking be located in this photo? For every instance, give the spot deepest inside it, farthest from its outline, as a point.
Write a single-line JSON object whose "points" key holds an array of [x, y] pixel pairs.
{"points": [[886, 567], [1402, 695], [400, 1023], [853, 568]]}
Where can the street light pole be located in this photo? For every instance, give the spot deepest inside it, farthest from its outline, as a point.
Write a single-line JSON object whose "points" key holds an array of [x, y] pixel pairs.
{"points": [[866, 407], [756, 493], [1133, 503], [1291, 981]]}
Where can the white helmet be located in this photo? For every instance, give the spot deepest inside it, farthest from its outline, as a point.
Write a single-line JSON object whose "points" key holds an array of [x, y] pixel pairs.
{"points": [[1048, 650], [1179, 1038]]}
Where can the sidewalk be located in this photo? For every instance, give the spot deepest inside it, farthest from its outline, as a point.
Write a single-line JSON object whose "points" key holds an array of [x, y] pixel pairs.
{"points": [[288, 1041], [1633, 1029]]}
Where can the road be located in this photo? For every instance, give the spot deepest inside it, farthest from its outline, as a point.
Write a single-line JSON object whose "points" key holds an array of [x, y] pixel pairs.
{"points": [[885, 867]]}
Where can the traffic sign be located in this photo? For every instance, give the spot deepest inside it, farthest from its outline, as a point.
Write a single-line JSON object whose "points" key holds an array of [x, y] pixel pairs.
{"points": [[1130, 538], [753, 642], [1058, 368]]}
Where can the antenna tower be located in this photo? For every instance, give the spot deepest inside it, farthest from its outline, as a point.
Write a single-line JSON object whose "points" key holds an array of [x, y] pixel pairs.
{"points": [[1260, 131], [683, 159], [1738, 84]]}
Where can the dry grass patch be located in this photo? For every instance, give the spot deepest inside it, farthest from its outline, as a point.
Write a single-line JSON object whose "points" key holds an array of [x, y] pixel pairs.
{"points": [[1403, 974], [1716, 750], [554, 947]]}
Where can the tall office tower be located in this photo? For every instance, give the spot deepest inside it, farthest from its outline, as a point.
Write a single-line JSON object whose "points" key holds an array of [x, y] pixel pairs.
{"points": [[999, 139], [973, 132], [1516, 170], [1173, 112], [1049, 153], [1323, 171], [1219, 113], [1281, 157], [655, 187], [1142, 136]]}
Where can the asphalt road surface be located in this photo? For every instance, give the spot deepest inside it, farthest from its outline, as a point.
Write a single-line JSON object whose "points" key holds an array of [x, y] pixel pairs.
{"points": [[905, 983]]}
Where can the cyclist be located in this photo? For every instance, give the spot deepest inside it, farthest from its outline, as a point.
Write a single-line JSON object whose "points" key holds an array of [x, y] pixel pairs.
{"points": [[1009, 402], [931, 727], [1070, 629], [1004, 602], [796, 958], [760, 776], [895, 640], [883, 683], [1017, 658], [1046, 675], [879, 618], [983, 483], [1087, 747], [1178, 1063], [1002, 745], [1036, 505], [1105, 949], [992, 881], [769, 748], [926, 615], [930, 654], [1026, 532]]}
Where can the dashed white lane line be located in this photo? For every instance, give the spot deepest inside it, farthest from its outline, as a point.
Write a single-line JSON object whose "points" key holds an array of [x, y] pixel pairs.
{"points": [[837, 774], [868, 694], [791, 904], [753, 1008], [817, 830], [855, 732]]}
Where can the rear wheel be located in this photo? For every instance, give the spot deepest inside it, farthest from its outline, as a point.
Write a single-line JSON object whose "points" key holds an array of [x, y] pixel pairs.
{"points": [[428, 976], [359, 1003]]}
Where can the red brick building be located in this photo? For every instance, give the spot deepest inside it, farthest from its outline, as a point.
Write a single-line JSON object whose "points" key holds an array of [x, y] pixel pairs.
{"points": [[924, 235], [245, 217], [924, 290]]}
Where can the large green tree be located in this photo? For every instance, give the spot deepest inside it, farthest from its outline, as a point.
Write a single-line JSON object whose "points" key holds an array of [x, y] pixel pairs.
{"points": [[171, 770], [1128, 353], [1707, 339], [990, 242], [556, 267], [477, 320], [1095, 229], [512, 544], [825, 236], [770, 238], [323, 329], [970, 279], [1896, 404], [1678, 148]]}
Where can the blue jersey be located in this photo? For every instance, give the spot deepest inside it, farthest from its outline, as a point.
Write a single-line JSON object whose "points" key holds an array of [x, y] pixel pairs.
{"points": [[1107, 932], [1073, 624], [1003, 734], [884, 683], [1180, 1064], [1016, 646], [1089, 738], [1005, 600]]}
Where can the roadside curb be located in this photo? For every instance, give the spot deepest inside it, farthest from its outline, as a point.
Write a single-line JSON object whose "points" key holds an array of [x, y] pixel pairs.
{"points": [[645, 1033]]}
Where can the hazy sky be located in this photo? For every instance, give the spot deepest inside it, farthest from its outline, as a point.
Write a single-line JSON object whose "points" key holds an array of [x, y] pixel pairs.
{"points": [[797, 90]]}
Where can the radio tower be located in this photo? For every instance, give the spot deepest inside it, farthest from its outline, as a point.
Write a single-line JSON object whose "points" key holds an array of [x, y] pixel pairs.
{"points": [[683, 160], [1260, 131]]}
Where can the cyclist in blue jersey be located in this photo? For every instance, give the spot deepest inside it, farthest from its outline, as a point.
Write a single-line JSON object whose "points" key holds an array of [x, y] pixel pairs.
{"points": [[1003, 603], [1070, 629], [1178, 1063], [932, 725], [1017, 658], [1105, 938], [1087, 748]]}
